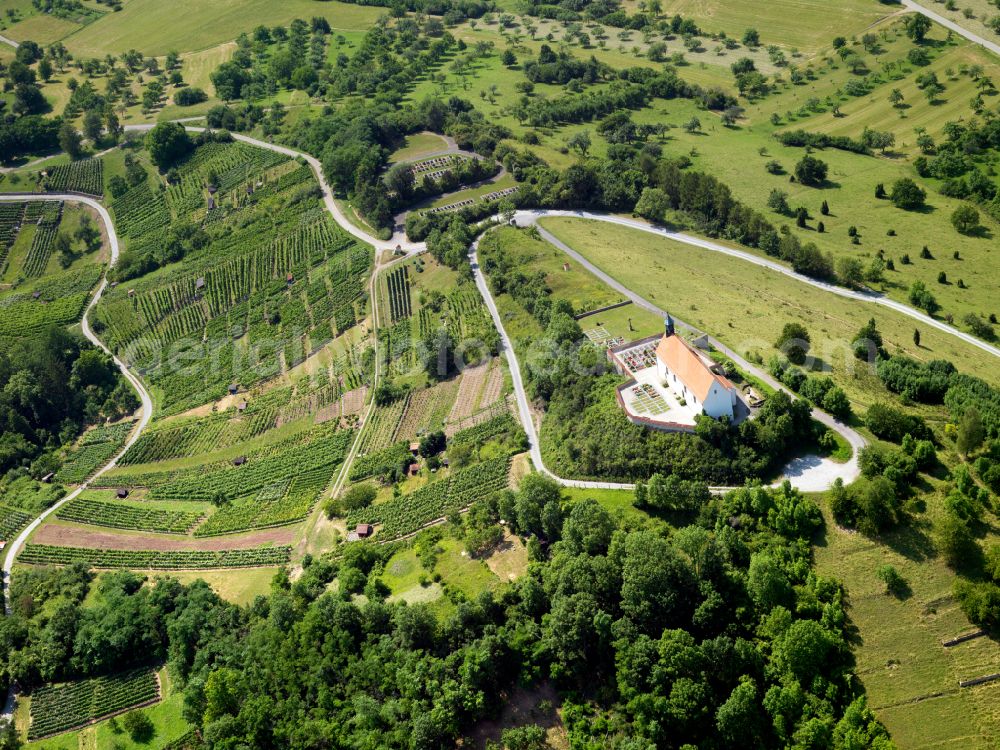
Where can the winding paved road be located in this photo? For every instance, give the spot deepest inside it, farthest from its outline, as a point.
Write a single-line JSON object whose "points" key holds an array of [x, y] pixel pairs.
{"points": [[948, 24], [688, 239], [809, 474], [147, 403]]}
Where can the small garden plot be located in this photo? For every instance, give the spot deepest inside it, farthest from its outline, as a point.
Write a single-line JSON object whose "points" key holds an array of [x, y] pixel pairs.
{"points": [[427, 409], [254, 557], [119, 515], [599, 336], [381, 428], [645, 400], [58, 708], [95, 449], [468, 392], [84, 176], [639, 357]]}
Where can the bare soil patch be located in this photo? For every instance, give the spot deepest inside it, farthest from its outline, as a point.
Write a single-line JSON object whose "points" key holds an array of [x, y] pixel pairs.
{"points": [[494, 386], [75, 536], [465, 402], [539, 705], [509, 561], [354, 401]]}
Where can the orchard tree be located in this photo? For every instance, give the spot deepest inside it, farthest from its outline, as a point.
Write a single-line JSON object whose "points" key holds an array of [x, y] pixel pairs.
{"points": [[653, 204], [167, 142], [811, 171], [965, 219], [970, 433], [580, 142], [906, 194], [93, 128], [917, 26], [70, 140]]}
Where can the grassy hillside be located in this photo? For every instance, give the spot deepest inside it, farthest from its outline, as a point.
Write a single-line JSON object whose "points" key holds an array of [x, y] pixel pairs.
{"points": [[155, 28]]}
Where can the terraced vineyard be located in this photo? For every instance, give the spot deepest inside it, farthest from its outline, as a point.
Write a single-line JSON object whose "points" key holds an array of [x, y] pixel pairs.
{"points": [[277, 279], [197, 436], [398, 285], [60, 301], [93, 450], [323, 449], [140, 211], [379, 462], [427, 409], [502, 422], [12, 520], [405, 514], [119, 515], [381, 428], [11, 215], [277, 504], [45, 235], [84, 176], [45, 554], [58, 708]]}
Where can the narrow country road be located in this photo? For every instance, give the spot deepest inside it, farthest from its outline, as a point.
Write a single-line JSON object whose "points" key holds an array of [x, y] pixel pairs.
{"points": [[809, 474], [398, 239], [688, 239], [10, 553], [7, 40], [806, 474], [948, 24]]}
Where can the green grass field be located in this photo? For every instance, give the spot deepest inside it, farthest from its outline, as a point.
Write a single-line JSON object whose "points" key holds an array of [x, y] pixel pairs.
{"points": [[418, 145], [43, 29], [805, 24], [910, 678], [155, 28], [745, 306]]}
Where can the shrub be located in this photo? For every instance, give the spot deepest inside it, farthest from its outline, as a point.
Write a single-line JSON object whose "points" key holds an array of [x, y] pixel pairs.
{"points": [[892, 424], [794, 342], [922, 298], [188, 96], [906, 194], [811, 171], [917, 381], [895, 584]]}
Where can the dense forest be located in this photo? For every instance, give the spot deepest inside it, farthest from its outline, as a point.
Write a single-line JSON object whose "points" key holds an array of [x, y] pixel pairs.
{"points": [[51, 386], [716, 634]]}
